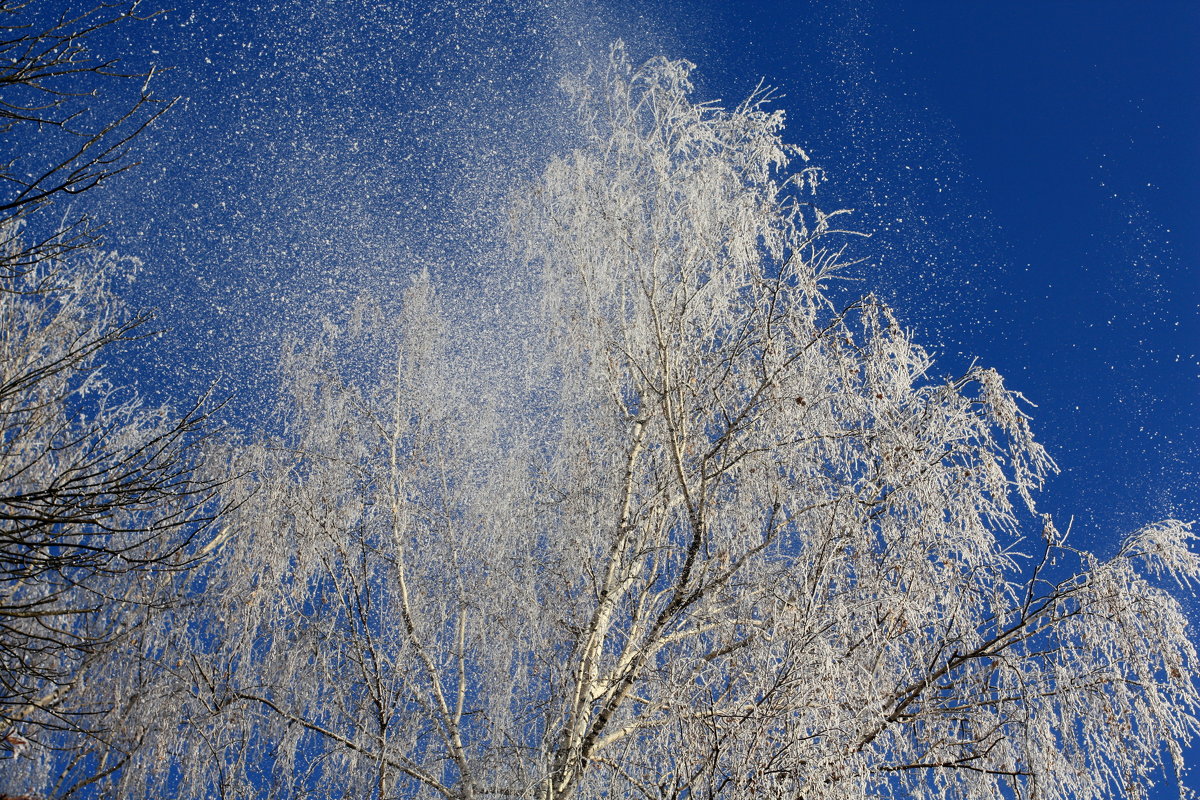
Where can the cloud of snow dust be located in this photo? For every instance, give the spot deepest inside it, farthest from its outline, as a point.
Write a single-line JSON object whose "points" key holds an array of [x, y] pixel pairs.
{"points": [[327, 149]]}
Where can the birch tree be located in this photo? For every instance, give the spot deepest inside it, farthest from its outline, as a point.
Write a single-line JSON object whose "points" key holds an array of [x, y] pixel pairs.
{"points": [[101, 492], [730, 536], [101, 498]]}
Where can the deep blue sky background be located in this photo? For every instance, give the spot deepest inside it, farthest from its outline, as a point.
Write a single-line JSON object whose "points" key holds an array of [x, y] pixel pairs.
{"points": [[1028, 170], [1030, 173]]}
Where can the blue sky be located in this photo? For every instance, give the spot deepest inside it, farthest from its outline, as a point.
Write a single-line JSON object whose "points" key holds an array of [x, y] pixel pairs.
{"points": [[1028, 171]]}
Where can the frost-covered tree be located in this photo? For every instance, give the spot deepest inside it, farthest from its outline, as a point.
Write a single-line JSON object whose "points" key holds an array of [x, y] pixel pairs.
{"points": [[723, 536], [100, 491], [99, 500]]}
